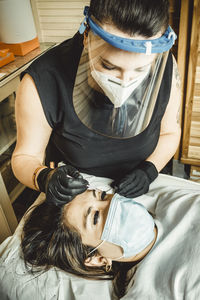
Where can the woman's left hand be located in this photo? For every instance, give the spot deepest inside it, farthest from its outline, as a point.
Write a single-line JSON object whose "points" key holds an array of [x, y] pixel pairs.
{"points": [[137, 182]]}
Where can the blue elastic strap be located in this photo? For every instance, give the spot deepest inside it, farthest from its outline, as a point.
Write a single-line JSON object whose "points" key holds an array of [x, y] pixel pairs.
{"points": [[159, 45]]}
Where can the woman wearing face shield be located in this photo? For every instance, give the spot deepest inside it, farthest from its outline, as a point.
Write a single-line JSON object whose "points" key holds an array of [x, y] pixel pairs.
{"points": [[105, 103]]}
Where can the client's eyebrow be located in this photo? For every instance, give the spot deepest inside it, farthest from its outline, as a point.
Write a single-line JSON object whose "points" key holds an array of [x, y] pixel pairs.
{"points": [[86, 216], [94, 193]]}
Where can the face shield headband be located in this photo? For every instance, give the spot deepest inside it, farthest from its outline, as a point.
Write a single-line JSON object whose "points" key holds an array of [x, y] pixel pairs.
{"points": [[159, 45]]}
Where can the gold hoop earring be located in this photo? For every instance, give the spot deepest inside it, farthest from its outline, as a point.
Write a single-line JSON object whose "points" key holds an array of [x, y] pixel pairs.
{"points": [[108, 268]]}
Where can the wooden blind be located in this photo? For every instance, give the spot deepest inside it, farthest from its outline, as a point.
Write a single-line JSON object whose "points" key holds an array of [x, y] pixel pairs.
{"points": [[57, 20]]}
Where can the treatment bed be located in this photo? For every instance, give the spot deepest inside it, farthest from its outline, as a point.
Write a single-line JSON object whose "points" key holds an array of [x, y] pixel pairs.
{"points": [[171, 270]]}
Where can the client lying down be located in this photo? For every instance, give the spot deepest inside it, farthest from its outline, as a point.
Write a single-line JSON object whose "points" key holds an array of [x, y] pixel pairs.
{"points": [[95, 237], [87, 235]]}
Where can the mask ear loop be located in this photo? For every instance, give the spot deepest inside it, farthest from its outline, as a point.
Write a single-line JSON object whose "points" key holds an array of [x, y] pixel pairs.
{"points": [[99, 246], [96, 247]]}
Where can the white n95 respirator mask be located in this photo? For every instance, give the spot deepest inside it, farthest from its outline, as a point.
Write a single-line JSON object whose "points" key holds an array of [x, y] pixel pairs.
{"points": [[116, 89], [128, 225]]}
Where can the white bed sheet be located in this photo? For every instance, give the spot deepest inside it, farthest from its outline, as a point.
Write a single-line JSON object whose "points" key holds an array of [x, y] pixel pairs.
{"points": [[170, 271]]}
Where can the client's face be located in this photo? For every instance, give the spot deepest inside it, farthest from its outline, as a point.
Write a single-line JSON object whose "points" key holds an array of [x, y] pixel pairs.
{"points": [[87, 214]]}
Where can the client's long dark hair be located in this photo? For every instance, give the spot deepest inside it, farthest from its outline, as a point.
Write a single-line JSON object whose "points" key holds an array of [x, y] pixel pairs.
{"points": [[47, 242]]}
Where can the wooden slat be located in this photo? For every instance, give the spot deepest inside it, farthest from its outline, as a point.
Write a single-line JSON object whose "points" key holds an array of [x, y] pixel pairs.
{"points": [[40, 1], [59, 4], [190, 161], [194, 44], [58, 39], [60, 13], [182, 56], [195, 141], [60, 20], [197, 78], [62, 33], [57, 26], [194, 152], [196, 104], [195, 128]]}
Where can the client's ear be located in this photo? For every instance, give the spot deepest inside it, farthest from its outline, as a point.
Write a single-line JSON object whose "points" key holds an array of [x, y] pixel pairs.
{"points": [[97, 261]]}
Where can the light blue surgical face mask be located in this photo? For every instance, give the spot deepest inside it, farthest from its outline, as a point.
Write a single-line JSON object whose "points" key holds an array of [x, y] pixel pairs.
{"points": [[128, 225]]}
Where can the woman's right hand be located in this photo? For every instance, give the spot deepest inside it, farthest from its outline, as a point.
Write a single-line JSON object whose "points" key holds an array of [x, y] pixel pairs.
{"points": [[62, 184]]}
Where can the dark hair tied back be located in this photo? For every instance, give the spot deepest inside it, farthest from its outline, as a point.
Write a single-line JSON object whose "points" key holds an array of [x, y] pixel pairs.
{"points": [[142, 17]]}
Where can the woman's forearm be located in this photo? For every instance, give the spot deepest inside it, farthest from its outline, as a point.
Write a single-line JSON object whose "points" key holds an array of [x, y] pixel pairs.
{"points": [[24, 167], [33, 132], [165, 149]]}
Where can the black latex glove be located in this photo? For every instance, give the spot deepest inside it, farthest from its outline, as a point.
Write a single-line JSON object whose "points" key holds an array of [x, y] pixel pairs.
{"points": [[137, 182], [62, 184]]}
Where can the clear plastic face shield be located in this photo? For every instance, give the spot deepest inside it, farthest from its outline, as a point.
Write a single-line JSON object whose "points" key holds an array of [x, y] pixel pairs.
{"points": [[118, 80]]}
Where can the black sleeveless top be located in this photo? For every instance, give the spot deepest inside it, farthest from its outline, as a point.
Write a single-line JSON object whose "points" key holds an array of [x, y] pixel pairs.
{"points": [[72, 142]]}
